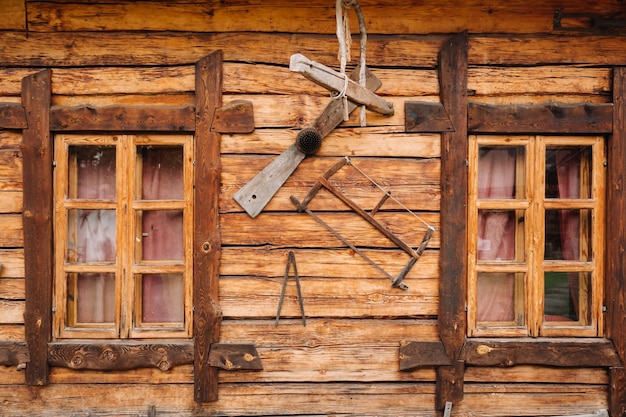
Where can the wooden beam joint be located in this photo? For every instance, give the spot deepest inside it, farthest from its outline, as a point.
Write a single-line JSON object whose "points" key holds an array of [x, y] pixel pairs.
{"points": [[234, 117], [233, 357]]}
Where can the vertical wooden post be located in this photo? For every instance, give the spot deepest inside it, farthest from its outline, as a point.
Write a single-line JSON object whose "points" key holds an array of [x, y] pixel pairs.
{"points": [[37, 220], [453, 257], [616, 243], [207, 243]]}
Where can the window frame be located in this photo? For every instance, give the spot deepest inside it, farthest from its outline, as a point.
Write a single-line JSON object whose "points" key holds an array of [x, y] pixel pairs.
{"points": [[534, 205], [127, 266], [41, 119]]}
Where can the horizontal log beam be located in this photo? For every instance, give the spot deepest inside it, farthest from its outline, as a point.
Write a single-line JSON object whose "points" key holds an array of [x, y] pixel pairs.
{"points": [[113, 355], [549, 118], [12, 116], [234, 117], [14, 354], [232, 357], [415, 355], [426, 117], [548, 352], [124, 118]]}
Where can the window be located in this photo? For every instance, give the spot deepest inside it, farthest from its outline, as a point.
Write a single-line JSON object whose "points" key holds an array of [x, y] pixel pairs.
{"points": [[123, 236], [535, 222]]}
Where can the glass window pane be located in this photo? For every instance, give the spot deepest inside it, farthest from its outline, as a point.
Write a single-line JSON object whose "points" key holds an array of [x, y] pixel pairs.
{"points": [[162, 172], [501, 172], [499, 236], [567, 297], [92, 172], [91, 298], [568, 235], [568, 172], [162, 298], [91, 236], [161, 235], [500, 298]]}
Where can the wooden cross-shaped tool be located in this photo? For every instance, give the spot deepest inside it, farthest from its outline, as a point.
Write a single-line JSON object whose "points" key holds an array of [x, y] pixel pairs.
{"points": [[255, 195]]}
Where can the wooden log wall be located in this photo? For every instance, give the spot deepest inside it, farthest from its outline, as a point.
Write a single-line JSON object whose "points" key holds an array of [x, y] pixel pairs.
{"points": [[345, 361]]}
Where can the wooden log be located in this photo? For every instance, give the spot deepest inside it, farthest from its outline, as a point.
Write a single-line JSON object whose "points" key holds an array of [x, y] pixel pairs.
{"points": [[414, 355], [37, 218], [235, 357], [13, 15], [14, 354], [234, 117], [549, 118], [553, 352], [12, 116], [615, 284], [207, 240], [12, 231], [125, 118], [453, 258], [11, 163], [303, 17], [251, 297], [12, 263], [12, 311], [426, 117], [118, 356]]}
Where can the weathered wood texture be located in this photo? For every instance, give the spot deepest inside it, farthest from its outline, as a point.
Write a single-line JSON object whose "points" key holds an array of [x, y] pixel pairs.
{"points": [[616, 241], [37, 218], [108, 55], [453, 253], [207, 243]]}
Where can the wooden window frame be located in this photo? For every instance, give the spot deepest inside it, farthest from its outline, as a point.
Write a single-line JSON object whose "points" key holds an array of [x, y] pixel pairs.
{"points": [[456, 117], [127, 268], [529, 262], [41, 119]]}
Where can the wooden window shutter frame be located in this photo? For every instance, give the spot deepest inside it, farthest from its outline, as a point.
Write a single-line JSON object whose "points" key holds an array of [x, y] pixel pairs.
{"points": [[40, 119]]}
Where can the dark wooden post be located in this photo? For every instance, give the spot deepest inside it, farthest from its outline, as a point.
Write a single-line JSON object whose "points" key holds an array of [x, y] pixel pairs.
{"points": [[616, 243], [453, 263], [37, 220], [207, 243]]}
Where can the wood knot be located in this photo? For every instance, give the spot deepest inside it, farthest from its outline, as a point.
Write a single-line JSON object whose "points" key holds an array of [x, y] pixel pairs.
{"points": [[108, 354], [77, 361], [248, 357], [164, 365], [483, 349]]}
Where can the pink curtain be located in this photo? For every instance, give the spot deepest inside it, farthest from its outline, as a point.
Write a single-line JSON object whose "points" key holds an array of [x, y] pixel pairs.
{"points": [[162, 235], [496, 234]]}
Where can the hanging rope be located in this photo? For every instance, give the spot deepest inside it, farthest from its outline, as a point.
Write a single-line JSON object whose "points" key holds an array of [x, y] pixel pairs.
{"points": [[345, 42]]}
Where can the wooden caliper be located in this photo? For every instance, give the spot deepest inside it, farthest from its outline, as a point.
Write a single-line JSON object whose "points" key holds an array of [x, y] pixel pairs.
{"points": [[255, 195]]}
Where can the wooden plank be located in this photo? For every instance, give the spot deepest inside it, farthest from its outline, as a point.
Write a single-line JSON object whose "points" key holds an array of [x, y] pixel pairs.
{"points": [[123, 118], [615, 285], [118, 356], [250, 297], [207, 240], [12, 231], [262, 261], [37, 218], [549, 118], [235, 356], [12, 311], [12, 288], [302, 17], [10, 170], [12, 116], [11, 202], [389, 399], [299, 230], [536, 375], [13, 15], [422, 354], [98, 49], [453, 229], [10, 139], [14, 354], [578, 352], [12, 263], [426, 117], [234, 117]]}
